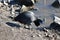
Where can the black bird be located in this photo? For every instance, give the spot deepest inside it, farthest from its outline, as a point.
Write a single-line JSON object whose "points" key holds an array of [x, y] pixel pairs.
{"points": [[27, 18], [56, 4]]}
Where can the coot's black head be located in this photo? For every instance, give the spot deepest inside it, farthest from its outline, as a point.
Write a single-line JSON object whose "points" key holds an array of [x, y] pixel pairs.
{"points": [[37, 22]]}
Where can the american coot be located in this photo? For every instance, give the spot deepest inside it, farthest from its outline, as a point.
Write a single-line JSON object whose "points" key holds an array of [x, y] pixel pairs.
{"points": [[37, 22], [27, 18]]}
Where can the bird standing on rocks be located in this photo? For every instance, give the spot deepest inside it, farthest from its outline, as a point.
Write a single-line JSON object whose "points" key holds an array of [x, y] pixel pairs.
{"points": [[27, 18]]}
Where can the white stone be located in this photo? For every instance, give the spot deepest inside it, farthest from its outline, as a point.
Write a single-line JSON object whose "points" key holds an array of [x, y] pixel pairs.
{"points": [[57, 19]]}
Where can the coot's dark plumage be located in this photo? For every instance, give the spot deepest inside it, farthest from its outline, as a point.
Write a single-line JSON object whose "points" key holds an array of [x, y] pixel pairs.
{"points": [[56, 4], [27, 18]]}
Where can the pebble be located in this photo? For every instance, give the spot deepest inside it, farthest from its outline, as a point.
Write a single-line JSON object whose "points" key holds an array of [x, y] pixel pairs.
{"points": [[45, 30], [39, 35], [12, 29], [33, 36]]}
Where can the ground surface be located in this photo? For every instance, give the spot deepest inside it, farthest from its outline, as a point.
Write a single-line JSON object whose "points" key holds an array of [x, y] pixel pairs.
{"points": [[9, 30]]}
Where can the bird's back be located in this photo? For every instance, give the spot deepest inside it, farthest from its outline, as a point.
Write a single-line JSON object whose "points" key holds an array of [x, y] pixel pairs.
{"points": [[25, 17]]}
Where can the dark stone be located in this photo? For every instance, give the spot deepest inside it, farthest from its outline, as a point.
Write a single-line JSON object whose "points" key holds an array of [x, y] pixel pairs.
{"points": [[24, 2], [56, 4], [55, 26]]}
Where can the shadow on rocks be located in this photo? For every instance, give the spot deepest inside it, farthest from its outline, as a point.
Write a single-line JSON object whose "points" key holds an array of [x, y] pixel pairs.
{"points": [[13, 24]]}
